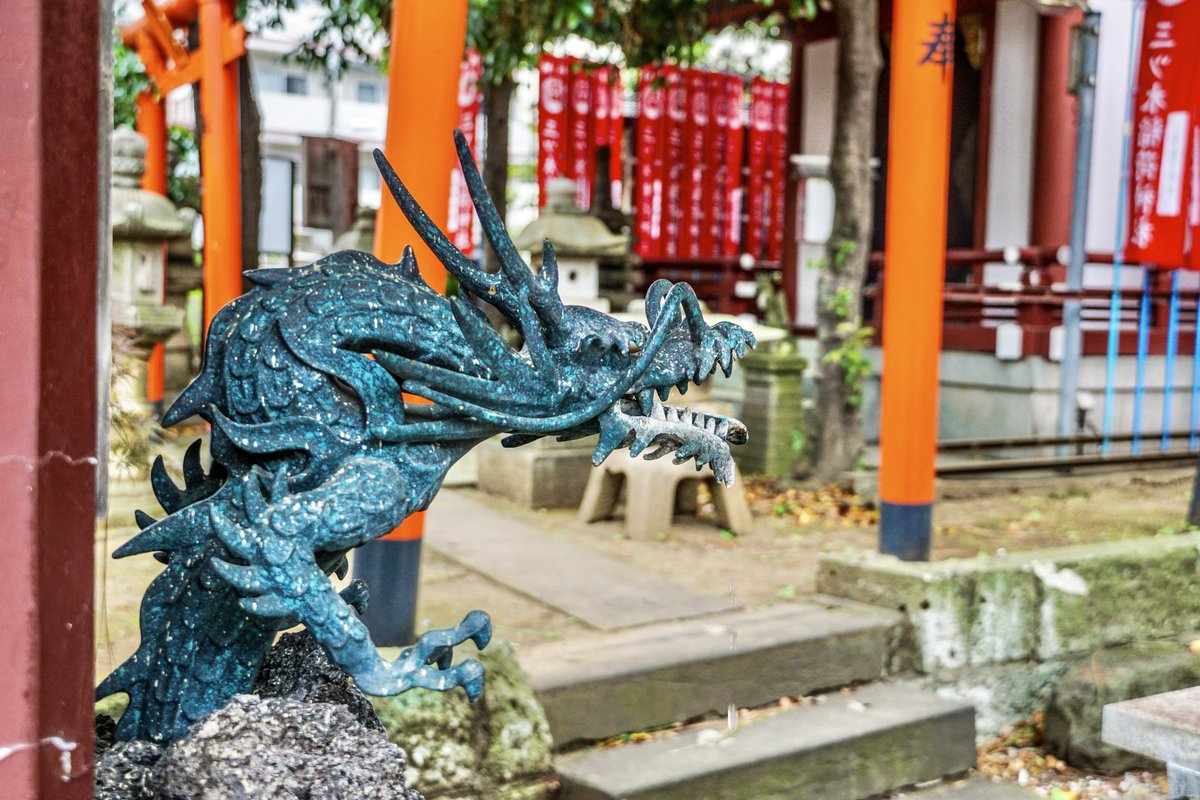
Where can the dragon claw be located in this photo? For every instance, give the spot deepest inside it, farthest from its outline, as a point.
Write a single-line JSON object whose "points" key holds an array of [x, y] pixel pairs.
{"points": [[357, 596]]}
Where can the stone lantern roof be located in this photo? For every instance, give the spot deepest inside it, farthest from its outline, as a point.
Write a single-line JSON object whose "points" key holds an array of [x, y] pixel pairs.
{"points": [[572, 231], [137, 213]]}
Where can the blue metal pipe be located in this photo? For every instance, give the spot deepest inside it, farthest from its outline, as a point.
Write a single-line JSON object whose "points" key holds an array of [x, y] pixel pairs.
{"points": [[1143, 348], [1114, 304], [1169, 365], [1194, 416]]}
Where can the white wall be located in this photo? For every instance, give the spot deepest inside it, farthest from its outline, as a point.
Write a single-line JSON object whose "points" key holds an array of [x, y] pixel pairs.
{"points": [[1112, 84], [1013, 125]]}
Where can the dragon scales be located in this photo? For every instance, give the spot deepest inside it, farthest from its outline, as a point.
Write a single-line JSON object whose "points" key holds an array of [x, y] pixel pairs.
{"points": [[315, 452]]}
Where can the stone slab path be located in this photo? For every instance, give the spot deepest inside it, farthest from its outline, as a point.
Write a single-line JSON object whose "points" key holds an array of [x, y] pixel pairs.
{"points": [[599, 590]]}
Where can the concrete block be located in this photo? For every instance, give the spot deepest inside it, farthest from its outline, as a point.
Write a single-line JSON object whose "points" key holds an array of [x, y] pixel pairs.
{"points": [[1162, 726], [661, 674], [1073, 717], [977, 788], [1116, 592], [847, 748], [1045, 604], [543, 474], [1183, 782], [962, 613]]}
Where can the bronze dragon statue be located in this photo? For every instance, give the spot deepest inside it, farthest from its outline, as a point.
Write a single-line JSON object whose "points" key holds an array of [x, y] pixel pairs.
{"points": [[315, 451]]}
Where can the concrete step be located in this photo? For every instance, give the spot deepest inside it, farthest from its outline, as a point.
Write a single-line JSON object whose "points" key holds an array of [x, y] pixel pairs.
{"points": [[657, 675], [852, 746], [974, 788]]}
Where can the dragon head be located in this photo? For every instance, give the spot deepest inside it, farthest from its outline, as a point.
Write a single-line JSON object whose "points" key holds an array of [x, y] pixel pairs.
{"points": [[580, 371]]}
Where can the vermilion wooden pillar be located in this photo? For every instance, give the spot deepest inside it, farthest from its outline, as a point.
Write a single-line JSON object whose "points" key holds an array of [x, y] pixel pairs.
{"points": [[1054, 156], [428, 39], [914, 270], [220, 157], [50, 234]]}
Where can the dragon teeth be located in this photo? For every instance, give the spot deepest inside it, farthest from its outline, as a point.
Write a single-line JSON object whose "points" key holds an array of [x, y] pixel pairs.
{"points": [[664, 392], [682, 386], [659, 412], [646, 400]]}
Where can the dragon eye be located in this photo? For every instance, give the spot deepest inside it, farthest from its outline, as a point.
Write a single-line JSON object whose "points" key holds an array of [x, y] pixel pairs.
{"points": [[635, 347]]}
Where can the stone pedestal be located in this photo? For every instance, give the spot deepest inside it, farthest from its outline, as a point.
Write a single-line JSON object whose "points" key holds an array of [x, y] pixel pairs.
{"points": [[541, 474], [1165, 727], [184, 275], [773, 411]]}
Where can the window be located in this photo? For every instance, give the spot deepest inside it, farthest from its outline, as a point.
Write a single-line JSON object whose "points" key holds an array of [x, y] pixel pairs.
{"points": [[368, 92], [269, 79], [278, 81], [296, 84]]}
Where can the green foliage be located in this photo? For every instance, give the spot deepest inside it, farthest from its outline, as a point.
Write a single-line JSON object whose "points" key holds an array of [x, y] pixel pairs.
{"points": [[842, 249], [129, 80], [849, 357], [183, 159], [511, 34], [346, 32]]}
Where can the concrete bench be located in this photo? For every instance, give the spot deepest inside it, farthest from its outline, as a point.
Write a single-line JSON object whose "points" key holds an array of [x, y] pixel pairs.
{"points": [[655, 491], [1163, 726]]}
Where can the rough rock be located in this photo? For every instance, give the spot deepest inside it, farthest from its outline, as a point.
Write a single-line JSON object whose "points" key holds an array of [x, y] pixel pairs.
{"points": [[298, 668], [1073, 718], [279, 748], [498, 747], [125, 771]]}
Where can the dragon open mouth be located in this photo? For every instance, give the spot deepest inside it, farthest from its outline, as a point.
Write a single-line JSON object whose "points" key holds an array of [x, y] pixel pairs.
{"points": [[641, 421]]}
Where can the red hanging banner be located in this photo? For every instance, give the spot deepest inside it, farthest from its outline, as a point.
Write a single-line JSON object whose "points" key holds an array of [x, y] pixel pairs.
{"points": [[553, 134], [582, 162], [762, 122], [693, 221], [1163, 121], [778, 159], [676, 126], [616, 136], [1192, 239], [461, 222], [731, 239], [651, 121], [600, 102], [716, 171]]}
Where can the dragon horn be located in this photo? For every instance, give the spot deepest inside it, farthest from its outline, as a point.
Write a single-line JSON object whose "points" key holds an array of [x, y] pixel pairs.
{"points": [[543, 294], [463, 268]]}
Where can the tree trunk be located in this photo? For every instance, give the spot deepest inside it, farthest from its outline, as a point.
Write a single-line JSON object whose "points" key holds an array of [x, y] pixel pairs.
{"points": [[497, 97], [839, 438], [250, 125]]}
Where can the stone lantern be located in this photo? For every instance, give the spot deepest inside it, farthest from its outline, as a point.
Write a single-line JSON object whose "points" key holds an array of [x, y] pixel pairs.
{"points": [[362, 235], [143, 223], [580, 241]]}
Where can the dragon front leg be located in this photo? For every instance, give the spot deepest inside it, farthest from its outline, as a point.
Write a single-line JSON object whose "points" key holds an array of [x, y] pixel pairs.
{"points": [[281, 579]]}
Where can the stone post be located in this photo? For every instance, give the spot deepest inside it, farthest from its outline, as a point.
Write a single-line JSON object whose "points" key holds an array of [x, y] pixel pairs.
{"points": [[773, 409], [142, 224]]}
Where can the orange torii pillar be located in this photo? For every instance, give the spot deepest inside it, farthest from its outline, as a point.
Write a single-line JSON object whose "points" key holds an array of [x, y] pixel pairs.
{"points": [[914, 271], [428, 39], [152, 123], [221, 203]]}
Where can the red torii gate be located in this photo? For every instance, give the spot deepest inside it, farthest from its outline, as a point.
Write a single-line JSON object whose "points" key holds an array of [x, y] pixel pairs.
{"points": [[213, 64]]}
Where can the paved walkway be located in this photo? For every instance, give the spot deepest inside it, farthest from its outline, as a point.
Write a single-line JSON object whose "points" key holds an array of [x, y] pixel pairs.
{"points": [[602, 591]]}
